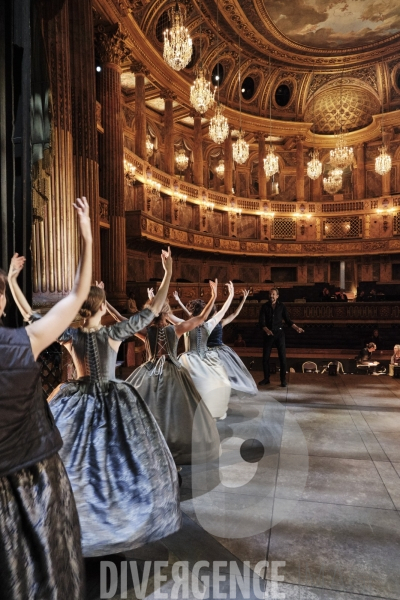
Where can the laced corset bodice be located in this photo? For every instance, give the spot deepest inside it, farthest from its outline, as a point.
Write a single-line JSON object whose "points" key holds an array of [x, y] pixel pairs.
{"points": [[162, 341], [196, 340], [92, 355]]}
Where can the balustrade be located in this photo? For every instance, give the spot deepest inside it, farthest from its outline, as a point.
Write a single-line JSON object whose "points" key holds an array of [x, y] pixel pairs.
{"points": [[371, 227]]}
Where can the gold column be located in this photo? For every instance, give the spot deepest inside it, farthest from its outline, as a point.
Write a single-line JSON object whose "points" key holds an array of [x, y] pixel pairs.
{"points": [[262, 178], [140, 109], [112, 50], [228, 161], [58, 230], [299, 169], [84, 127], [169, 149], [197, 150], [359, 172]]}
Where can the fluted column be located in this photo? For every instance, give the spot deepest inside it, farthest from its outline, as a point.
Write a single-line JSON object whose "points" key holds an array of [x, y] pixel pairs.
{"points": [[169, 149], [197, 150], [359, 172], [262, 178], [299, 169], [140, 109], [84, 128], [57, 268], [228, 163], [112, 50]]}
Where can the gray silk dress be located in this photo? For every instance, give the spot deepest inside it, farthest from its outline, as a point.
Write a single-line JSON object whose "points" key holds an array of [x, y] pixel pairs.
{"points": [[169, 392], [122, 474], [206, 370]]}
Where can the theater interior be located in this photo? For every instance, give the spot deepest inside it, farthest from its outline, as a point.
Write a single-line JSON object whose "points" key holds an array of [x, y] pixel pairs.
{"points": [[270, 159]]}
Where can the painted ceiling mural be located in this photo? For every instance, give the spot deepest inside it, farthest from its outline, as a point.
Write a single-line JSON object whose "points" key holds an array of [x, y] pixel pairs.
{"points": [[335, 23]]}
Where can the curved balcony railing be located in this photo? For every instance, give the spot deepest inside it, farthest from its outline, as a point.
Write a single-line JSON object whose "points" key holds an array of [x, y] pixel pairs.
{"points": [[321, 228]]}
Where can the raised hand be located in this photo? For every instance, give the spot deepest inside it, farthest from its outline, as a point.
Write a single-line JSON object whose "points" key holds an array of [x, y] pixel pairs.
{"points": [[99, 284], [244, 293], [214, 287], [82, 208], [176, 296], [150, 293], [230, 287], [166, 259], [16, 265]]}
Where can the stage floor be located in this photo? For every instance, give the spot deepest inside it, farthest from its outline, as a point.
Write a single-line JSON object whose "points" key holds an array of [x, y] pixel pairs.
{"points": [[315, 491]]}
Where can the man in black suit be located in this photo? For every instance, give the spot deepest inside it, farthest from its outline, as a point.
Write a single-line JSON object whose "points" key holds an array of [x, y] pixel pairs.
{"points": [[272, 314]]}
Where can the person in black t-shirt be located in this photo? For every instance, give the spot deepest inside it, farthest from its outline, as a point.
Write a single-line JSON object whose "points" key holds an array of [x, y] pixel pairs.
{"points": [[272, 314]]}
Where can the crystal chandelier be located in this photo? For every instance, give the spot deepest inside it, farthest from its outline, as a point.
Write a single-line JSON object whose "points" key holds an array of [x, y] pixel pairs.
{"points": [[177, 42], [383, 162], [333, 182], [240, 149], [314, 166], [201, 96], [342, 156], [181, 160], [220, 169], [149, 146], [271, 163], [219, 128]]}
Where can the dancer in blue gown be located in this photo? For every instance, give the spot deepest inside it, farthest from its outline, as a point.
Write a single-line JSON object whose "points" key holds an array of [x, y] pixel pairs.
{"points": [[123, 476], [242, 383], [170, 393]]}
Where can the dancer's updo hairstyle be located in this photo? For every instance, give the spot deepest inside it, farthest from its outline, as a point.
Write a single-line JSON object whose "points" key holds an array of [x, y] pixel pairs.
{"points": [[93, 302], [161, 320], [195, 307]]}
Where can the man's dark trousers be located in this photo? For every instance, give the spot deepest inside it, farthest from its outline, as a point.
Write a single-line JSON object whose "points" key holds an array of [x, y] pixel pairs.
{"points": [[278, 339]]}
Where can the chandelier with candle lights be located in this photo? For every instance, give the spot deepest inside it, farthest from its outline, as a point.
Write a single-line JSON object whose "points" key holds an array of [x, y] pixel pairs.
{"points": [[178, 46]]}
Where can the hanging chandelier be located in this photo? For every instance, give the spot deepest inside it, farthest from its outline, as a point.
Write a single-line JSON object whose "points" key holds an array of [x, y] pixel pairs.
{"points": [[383, 162], [240, 149], [271, 163], [342, 156], [219, 128], [178, 45], [334, 181], [201, 96], [149, 146], [314, 166], [220, 169], [181, 160]]}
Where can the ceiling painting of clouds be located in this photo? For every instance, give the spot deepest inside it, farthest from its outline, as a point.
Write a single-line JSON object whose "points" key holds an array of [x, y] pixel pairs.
{"points": [[335, 23]]}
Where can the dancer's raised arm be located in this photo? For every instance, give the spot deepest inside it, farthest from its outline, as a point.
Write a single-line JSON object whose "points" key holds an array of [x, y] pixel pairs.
{"points": [[179, 301], [45, 331], [193, 322], [211, 323], [237, 311], [16, 266], [161, 296]]}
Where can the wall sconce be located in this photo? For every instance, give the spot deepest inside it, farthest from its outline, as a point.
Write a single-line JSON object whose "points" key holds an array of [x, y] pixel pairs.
{"points": [[129, 172], [153, 190]]}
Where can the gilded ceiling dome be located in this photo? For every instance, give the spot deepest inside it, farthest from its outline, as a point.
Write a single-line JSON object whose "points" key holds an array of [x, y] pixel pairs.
{"points": [[350, 106]]}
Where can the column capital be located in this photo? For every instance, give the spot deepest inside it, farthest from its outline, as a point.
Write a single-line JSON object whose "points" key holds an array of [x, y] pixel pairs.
{"points": [[300, 138], [139, 67], [259, 136], [166, 94], [111, 44], [193, 113]]}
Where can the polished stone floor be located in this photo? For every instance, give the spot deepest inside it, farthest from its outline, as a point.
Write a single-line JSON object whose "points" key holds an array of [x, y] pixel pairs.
{"points": [[305, 504]]}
